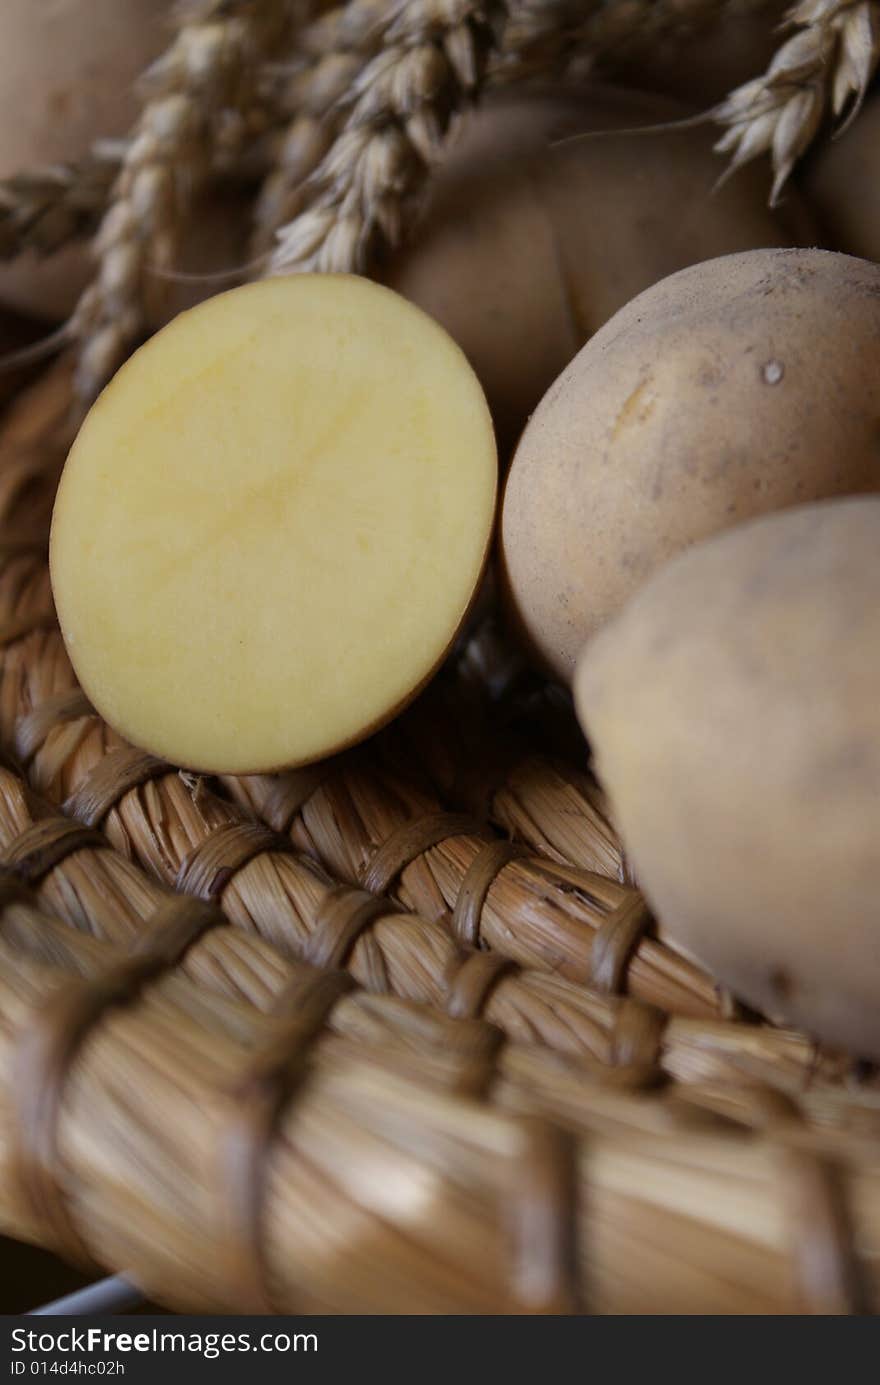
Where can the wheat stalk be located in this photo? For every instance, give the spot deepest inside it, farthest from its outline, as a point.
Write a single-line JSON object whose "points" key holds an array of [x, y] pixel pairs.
{"points": [[428, 62], [308, 101], [44, 209], [376, 89], [373, 95], [312, 87], [825, 66], [325, 85], [372, 89], [200, 92]]}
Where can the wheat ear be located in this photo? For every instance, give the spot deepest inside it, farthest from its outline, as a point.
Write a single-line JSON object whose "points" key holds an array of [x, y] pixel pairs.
{"points": [[304, 103], [312, 88], [825, 66], [430, 60], [42, 210], [199, 93], [425, 61], [376, 86]]}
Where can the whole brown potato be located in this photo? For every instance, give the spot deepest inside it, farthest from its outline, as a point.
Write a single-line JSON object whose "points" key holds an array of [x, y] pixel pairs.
{"points": [[67, 69], [742, 385], [843, 185], [734, 714], [525, 249]]}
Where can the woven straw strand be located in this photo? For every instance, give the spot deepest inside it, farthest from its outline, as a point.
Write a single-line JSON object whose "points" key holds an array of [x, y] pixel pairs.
{"points": [[179, 1051], [282, 897], [536, 914], [173, 1050], [33, 673], [162, 822], [106, 895]]}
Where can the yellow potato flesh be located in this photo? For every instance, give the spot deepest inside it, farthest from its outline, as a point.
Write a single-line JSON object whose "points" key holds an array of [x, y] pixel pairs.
{"points": [[272, 523]]}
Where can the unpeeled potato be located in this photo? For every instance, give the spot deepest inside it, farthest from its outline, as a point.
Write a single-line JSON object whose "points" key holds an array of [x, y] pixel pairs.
{"points": [[739, 386], [526, 247], [734, 713]]}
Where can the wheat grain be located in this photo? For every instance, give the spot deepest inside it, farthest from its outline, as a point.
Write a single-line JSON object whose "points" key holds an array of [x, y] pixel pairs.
{"points": [[373, 88], [432, 56], [199, 96], [823, 68], [304, 102], [420, 63], [42, 210], [376, 89]]}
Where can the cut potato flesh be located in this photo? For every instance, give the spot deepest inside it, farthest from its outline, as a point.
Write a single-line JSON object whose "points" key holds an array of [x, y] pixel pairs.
{"points": [[272, 523]]}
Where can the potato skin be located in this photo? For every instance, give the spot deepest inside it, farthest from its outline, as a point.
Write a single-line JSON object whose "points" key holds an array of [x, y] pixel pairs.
{"points": [[525, 250], [734, 716], [736, 387]]}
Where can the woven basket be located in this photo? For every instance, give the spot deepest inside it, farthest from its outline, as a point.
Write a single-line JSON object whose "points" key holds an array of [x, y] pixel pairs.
{"points": [[388, 1035], [394, 1034]]}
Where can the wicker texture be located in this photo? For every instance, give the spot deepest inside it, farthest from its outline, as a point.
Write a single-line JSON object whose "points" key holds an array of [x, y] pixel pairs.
{"points": [[396, 1033], [339, 1106]]}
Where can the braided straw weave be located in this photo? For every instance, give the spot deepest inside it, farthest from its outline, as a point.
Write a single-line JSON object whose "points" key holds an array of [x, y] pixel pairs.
{"points": [[395, 1033], [340, 1104]]}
